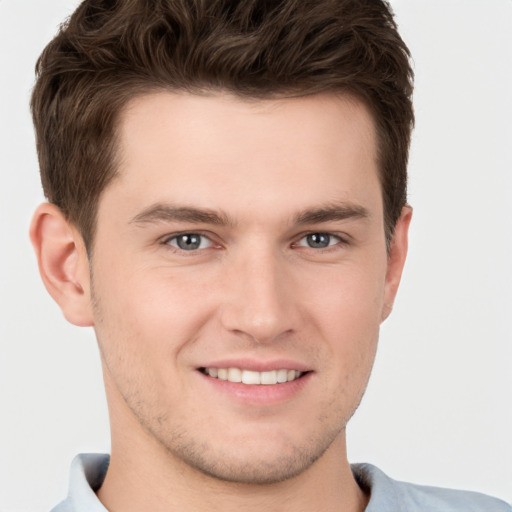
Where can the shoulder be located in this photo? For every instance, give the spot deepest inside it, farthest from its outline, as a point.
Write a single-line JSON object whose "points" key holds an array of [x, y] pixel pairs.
{"points": [[388, 495]]}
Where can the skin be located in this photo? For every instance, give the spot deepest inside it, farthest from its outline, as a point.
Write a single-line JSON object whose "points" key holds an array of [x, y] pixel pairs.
{"points": [[263, 175]]}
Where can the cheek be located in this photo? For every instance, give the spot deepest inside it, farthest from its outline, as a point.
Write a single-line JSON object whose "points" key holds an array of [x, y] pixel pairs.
{"points": [[149, 312], [348, 298], [347, 312]]}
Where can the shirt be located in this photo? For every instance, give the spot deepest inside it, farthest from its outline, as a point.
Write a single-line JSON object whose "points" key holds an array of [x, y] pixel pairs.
{"points": [[386, 495]]}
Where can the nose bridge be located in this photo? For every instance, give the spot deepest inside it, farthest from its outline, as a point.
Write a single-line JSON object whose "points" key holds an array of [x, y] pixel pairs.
{"points": [[259, 303]]}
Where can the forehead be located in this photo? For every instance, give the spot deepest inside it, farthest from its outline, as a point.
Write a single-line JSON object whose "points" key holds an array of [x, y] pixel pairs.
{"points": [[219, 148], [210, 119]]}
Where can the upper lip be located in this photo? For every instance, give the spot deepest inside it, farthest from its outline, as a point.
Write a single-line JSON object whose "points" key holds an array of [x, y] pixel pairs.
{"points": [[258, 365]]}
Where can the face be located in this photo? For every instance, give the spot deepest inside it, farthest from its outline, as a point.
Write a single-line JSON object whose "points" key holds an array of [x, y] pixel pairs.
{"points": [[241, 241]]}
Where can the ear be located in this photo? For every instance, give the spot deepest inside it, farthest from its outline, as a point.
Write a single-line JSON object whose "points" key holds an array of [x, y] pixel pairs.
{"points": [[396, 259], [63, 263]]}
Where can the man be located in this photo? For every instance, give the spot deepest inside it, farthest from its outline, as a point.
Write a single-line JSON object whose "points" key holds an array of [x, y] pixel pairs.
{"points": [[227, 208]]}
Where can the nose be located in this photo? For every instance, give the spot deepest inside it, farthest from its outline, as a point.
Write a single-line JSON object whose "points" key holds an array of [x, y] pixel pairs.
{"points": [[259, 300]]}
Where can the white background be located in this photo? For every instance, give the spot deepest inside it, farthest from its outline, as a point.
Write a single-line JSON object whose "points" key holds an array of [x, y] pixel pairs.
{"points": [[438, 409]]}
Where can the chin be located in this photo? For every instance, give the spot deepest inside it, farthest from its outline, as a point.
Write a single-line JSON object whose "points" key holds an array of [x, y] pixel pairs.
{"points": [[258, 461], [252, 471]]}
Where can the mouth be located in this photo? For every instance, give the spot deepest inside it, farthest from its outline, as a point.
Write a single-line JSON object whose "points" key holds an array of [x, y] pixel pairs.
{"points": [[253, 378]]}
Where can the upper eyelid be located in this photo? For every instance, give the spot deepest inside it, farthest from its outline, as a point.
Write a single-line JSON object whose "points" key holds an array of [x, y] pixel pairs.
{"points": [[344, 237], [170, 236]]}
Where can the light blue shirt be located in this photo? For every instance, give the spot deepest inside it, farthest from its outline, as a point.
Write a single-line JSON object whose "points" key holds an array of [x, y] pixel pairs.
{"points": [[387, 495]]}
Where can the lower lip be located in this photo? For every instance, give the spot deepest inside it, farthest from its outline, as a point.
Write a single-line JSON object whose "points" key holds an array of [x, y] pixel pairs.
{"points": [[262, 394]]}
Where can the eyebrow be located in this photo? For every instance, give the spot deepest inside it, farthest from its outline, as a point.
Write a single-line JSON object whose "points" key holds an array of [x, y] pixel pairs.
{"points": [[161, 212], [171, 213], [332, 212]]}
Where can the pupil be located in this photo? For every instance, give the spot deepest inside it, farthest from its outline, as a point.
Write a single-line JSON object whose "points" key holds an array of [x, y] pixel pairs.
{"points": [[318, 240], [189, 242]]}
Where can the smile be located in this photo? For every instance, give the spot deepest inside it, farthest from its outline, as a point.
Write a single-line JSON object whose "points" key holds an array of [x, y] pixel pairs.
{"points": [[252, 378]]}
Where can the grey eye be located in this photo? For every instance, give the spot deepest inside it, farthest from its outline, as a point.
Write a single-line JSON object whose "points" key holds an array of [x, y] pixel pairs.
{"points": [[189, 242], [319, 240]]}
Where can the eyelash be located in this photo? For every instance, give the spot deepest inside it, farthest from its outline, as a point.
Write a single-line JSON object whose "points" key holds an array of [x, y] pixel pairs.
{"points": [[340, 241]]}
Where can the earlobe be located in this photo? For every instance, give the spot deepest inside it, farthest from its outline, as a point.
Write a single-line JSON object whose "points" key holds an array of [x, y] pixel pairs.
{"points": [[396, 259], [63, 263]]}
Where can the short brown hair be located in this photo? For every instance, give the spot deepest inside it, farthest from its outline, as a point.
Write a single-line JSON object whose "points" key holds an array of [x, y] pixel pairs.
{"points": [[110, 51]]}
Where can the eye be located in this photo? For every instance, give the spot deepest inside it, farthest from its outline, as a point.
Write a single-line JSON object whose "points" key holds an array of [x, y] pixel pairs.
{"points": [[189, 241], [319, 240]]}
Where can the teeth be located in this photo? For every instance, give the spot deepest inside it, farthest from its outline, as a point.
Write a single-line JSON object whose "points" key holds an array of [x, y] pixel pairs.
{"points": [[282, 376], [269, 377], [252, 378], [234, 375], [249, 377]]}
